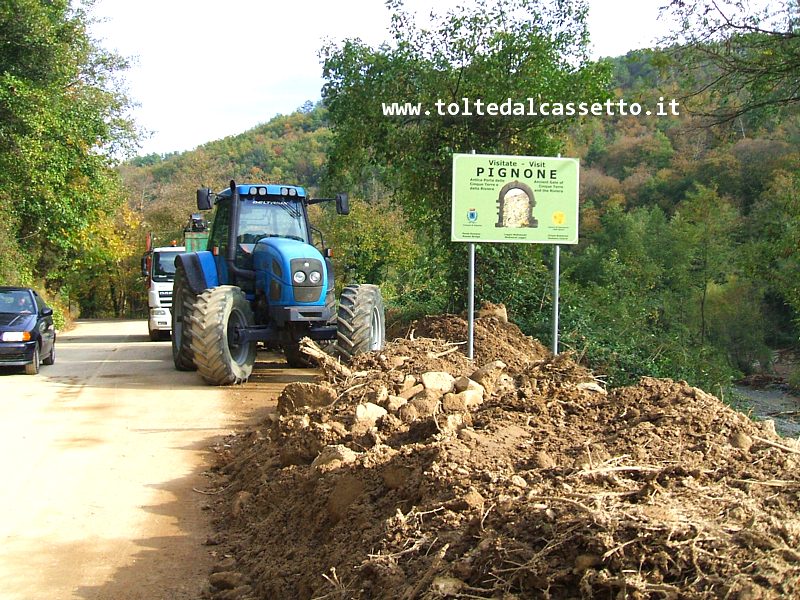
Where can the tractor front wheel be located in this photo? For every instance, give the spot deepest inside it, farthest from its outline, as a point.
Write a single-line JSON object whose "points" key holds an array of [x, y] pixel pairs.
{"points": [[361, 325], [183, 301], [219, 357]]}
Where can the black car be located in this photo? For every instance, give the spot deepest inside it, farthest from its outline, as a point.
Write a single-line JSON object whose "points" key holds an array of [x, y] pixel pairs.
{"points": [[27, 333]]}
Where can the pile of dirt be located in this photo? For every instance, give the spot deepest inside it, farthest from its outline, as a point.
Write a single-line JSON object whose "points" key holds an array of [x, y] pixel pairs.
{"points": [[416, 473]]}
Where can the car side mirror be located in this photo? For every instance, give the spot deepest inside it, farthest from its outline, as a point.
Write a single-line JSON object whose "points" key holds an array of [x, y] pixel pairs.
{"points": [[47, 311], [204, 199], [342, 204]]}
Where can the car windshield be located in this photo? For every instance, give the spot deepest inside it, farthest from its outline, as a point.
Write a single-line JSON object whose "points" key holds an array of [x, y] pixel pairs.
{"points": [[16, 301], [268, 218], [164, 265]]}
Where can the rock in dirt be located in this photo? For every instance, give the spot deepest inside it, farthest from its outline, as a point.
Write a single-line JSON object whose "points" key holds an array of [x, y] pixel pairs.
{"points": [[438, 381], [301, 396], [426, 402], [393, 403], [369, 412], [226, 580], [333, 457], [497, 311]]}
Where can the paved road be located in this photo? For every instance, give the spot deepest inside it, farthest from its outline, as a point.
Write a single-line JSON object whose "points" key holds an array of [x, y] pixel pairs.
{"points": [[100, 453]]}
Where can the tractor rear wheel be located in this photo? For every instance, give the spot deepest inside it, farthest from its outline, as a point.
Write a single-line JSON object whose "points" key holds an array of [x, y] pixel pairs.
{"points": [[219, 358], [295, 358], [361, 325], [183, 301]]}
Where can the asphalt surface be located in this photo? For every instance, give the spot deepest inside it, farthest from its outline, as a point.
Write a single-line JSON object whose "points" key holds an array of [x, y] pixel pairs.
{"points": [[102, 454]]}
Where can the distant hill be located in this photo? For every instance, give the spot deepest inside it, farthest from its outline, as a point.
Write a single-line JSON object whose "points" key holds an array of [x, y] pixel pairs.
{"points": [[290, 148]]}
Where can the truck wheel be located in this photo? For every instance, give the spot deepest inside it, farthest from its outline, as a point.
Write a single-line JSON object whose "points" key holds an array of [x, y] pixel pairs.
{"points": [[218, 312], [294, 357], [361, 325], [183, 302], [51, 360]]}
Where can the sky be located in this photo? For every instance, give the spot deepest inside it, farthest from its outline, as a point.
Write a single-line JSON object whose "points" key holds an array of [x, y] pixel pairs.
{"points": [[203, 70]]}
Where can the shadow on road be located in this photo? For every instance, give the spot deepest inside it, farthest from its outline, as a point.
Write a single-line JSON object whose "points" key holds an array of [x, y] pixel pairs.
{"points": [[174, 566]]}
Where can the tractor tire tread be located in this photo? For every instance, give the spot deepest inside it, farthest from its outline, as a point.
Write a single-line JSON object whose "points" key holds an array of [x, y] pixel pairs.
{"points": [[208, 325], [182, 342], [354, 323]]}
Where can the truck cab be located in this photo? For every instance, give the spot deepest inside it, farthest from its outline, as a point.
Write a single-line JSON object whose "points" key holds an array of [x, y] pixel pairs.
{"points": [[158, 269]]}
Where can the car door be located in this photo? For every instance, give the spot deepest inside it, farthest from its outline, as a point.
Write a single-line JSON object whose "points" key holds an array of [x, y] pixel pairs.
{"points": [[45, 326]]}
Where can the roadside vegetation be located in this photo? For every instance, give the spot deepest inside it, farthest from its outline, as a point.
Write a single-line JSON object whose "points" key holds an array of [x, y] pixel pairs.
{"points": [[687, 265]]}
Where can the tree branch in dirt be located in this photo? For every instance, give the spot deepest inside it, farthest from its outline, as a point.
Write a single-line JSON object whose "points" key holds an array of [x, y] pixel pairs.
{"points": [[324, 360]]}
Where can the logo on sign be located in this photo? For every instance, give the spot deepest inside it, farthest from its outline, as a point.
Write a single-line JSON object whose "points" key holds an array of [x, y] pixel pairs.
{"points": [[472, 215]]}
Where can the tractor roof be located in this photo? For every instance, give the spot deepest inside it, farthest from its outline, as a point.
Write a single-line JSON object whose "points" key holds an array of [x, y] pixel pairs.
{"points": [[266, 189]]}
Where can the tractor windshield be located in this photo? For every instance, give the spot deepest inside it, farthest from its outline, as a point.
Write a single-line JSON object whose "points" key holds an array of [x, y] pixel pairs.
{"points": [[269, 218], [164, 265]]}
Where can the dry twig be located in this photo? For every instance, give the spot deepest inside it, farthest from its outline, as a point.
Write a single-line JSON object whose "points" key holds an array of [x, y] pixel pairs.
{"points": [[776, 445]]}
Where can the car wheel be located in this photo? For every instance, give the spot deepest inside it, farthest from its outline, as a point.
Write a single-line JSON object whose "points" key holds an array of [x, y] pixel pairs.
{"points": [[32, 368], [50, 360]]}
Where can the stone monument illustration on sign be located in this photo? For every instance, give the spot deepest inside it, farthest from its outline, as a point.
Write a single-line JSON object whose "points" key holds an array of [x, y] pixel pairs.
{"points": [[515, 206]]}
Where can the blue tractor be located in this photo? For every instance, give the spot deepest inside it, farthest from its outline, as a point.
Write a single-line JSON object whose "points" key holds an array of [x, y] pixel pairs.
{"points": [[261, 280]]}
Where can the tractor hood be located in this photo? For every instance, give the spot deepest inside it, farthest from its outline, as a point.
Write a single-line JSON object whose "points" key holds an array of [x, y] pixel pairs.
{"points": [[290, 272]]}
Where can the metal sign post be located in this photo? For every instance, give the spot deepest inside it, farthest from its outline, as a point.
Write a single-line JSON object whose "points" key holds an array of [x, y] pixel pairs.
{"points": [[514, 199], [471, 304], [556, 273]]}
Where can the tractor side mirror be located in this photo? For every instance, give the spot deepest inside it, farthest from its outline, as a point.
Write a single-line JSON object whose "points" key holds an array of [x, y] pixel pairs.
{"points": [[204, 199], [342, 204], [144, 266]]}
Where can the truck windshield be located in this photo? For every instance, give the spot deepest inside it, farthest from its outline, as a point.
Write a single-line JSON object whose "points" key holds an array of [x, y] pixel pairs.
{"points": [[164, 265], [267, 218]]}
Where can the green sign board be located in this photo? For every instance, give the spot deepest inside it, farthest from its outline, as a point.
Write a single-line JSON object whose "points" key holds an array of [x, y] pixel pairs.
{"points": [[523, 199]]}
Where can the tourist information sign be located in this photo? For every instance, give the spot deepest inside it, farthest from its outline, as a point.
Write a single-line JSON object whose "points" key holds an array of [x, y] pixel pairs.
{"points": [[522, 199]]}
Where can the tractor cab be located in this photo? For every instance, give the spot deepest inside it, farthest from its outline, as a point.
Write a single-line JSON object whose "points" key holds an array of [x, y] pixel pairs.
{"points": [[263, 211]]}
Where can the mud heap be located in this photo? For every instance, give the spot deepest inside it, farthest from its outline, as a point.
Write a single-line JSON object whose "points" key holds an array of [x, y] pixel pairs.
{"points": [[416, 473]]}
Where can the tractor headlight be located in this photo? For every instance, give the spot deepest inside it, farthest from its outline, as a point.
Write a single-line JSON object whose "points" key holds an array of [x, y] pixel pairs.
{"points": [[299, 277], [314, 277]]}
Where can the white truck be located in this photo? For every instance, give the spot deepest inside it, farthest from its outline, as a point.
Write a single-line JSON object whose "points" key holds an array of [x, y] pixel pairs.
{"points": [[158, 269]]}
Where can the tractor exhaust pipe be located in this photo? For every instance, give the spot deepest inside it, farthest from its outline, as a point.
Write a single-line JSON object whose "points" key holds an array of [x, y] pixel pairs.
{"points": [[233, 235]]}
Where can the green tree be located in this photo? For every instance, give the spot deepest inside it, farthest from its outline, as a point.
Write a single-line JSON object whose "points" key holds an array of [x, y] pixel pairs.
{"points": [[372, 244], [705, 222], [772, 251], [61, 119], [492, 51]]}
